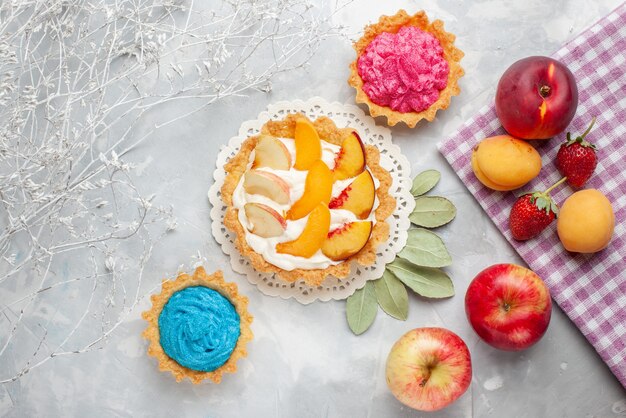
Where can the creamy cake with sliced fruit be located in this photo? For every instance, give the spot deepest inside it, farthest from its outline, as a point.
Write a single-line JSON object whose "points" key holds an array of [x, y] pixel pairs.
{"points": [[306, 199]]}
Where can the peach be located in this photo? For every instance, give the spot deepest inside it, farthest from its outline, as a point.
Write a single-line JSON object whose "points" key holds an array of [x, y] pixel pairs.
{"points": [[318, 187], [346, 240], [505, 163], [272, 153], [308, 144], [536, 98], [350, 160], [266, 222], [358, 197], [313, 235], [268, 185], [586, 222]]}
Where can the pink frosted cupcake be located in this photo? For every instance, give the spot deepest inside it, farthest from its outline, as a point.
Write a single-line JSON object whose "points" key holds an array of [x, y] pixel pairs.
{"points": [[406, 68]]}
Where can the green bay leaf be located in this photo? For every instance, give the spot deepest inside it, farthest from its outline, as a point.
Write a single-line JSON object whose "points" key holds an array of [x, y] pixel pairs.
{"points": [[425, 181], [426, 249], [432, 211], [361, 308], [425, 281], [392, 296]]}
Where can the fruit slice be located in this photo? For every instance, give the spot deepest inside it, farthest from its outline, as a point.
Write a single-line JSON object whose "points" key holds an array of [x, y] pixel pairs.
{"points": [[308, 145], [346, 240], [358, 197], [350, 161], [318, 187], [271, 152], [266, 184], [312, 237], [266, 222]]}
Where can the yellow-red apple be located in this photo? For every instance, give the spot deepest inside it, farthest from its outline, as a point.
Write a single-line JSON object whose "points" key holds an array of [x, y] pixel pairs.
{"points": [[429, 368]]}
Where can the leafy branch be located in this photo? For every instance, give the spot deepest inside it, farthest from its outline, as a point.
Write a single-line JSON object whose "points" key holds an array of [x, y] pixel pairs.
{"points": [[417, 266]]}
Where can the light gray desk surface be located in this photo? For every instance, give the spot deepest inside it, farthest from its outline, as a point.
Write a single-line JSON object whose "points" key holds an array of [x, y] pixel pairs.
{"points": [[304, 361]]}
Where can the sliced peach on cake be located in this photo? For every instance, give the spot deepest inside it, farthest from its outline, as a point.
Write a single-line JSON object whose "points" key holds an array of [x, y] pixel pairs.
{"points": [[350, 161], [346, 240], [272, 153], [266, 184], [312, 237], [266, 222], [308, 144], [318, 187], [358, 197]]}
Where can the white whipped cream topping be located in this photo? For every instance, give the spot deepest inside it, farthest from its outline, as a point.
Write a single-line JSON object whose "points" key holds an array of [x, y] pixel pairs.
{"points": [[266, 247]]}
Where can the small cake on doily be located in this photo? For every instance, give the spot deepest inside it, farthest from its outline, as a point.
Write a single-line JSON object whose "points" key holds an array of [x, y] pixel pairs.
{"points": [[407, 68], [198, 326], [306, 199]]}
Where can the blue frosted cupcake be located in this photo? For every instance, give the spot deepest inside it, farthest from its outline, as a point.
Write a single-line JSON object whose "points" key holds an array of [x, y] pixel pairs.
{"points": [[198, 326]]}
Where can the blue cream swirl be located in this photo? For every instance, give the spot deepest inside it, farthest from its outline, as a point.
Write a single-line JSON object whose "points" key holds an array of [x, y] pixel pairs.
{"points": [[199, 328]]}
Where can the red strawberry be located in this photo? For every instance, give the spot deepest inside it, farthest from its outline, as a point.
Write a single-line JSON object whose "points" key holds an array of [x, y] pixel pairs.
{"points": [[577, 158], [532, 213]]}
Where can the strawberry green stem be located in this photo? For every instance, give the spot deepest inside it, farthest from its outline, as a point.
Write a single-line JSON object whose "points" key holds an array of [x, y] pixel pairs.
{"points": [[593, 121], [558, 183]]}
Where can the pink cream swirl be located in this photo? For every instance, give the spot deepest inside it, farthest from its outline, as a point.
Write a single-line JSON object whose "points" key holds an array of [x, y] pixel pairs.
{"points": [[404, 71]]}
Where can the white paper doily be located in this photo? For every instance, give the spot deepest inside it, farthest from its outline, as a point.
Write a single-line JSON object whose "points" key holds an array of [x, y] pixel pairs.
{"points": [[390, 158]]}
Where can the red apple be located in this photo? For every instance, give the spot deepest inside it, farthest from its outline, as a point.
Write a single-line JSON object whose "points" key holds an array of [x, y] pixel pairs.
{"points": [[509, 306], [536, 98], [429, 368]]}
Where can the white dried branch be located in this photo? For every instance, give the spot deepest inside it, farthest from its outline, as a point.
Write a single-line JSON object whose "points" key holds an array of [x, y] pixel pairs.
{"points": [[77, 79]]}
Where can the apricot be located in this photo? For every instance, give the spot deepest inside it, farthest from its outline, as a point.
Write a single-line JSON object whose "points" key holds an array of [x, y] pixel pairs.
{"points": [[318, 187], [505, 163], [312, 237], [484, 180], [586, 222], [308, 145]]}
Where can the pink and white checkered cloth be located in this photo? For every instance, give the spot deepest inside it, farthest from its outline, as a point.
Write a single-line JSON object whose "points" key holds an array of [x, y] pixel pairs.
{"points": [[591, 289]]}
